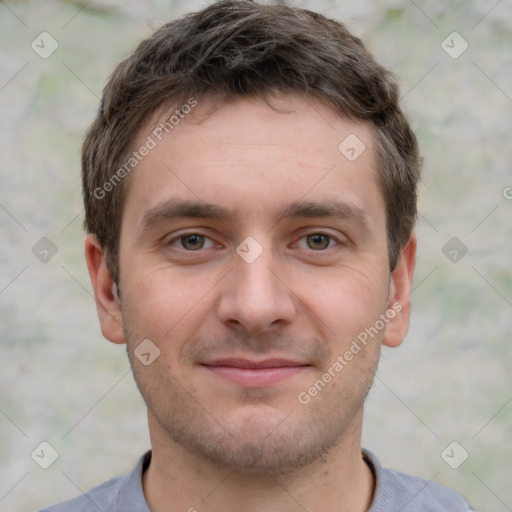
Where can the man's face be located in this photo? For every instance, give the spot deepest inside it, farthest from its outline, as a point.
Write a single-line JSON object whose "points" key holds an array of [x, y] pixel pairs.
{"points": [[252, 253]]}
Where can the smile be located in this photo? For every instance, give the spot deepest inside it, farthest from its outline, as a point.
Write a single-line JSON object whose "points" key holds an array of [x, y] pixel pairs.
{"points": [[253, 374]]}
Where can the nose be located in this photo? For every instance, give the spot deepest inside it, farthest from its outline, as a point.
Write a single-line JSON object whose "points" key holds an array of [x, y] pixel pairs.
{"points": [[255, 297]]}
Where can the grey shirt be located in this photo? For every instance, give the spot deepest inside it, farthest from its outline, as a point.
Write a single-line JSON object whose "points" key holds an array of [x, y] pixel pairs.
{"points": [[394, 492]]}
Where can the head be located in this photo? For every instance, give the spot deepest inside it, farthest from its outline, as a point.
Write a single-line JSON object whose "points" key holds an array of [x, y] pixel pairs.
{"points": [[267, 122]]}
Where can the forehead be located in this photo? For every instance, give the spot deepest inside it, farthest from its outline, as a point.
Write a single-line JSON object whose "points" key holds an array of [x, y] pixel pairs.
{"points": [[253, 157]]}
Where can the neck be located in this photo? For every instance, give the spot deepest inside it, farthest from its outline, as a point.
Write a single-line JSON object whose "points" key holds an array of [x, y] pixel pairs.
{"points": [[177, 480]]}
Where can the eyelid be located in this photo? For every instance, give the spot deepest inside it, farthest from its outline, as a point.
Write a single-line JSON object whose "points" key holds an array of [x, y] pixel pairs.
{"points": [[340, 240], [177, 236]]}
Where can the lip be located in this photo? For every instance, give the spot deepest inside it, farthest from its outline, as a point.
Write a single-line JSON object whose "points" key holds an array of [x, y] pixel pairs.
{"points": [[255, 374]]}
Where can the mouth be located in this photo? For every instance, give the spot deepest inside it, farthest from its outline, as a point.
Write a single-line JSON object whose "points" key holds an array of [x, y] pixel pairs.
{"points": [[255, 374]]}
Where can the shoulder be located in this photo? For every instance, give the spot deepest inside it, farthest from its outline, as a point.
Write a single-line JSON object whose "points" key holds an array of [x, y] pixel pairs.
{"points": [[398, 491], [101, 497], [117, 494]]}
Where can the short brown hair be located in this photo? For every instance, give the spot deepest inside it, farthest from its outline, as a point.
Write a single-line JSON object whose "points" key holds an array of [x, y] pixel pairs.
{"points": [[242, 48]]}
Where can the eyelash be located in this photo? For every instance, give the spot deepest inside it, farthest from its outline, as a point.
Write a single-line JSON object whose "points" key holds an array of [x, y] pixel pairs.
{"points": [[190, 233]]}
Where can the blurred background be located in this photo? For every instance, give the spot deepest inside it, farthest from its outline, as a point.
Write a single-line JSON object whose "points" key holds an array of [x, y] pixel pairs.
{"points": [[441, 405]]}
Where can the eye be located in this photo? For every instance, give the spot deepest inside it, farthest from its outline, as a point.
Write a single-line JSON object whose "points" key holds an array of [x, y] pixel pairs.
{"points": [[317, 242], [192, 242]]}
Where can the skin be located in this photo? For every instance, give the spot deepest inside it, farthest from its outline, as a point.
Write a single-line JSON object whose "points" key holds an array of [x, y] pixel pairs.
{"points": [[218, 445]]}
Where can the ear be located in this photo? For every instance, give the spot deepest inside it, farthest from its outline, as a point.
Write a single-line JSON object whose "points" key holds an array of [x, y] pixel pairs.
{"points": [[108, 304], [399, 295]]}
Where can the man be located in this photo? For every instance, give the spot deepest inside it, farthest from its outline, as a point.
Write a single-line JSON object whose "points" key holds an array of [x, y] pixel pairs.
{"points": [[250, 196]]}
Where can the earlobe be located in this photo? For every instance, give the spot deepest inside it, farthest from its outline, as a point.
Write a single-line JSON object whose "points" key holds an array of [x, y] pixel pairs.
{"points": [[399, 295], [108, 304]]}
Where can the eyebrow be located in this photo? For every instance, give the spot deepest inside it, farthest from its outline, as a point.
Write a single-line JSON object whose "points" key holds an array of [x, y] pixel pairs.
{"points": [[322, 209], [169, 210]]}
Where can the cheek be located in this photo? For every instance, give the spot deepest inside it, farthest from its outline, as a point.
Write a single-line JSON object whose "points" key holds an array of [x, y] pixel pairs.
{"points": [[347, 302], [163, 302]]}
